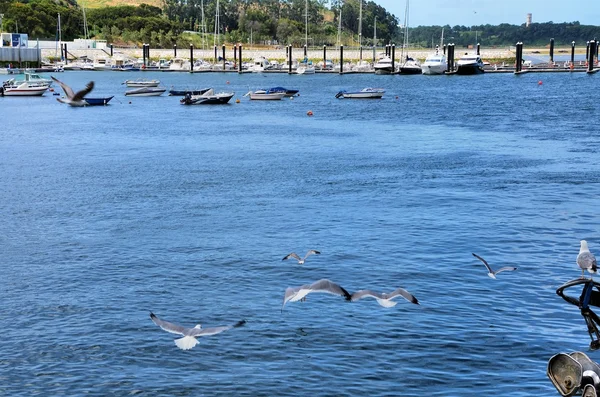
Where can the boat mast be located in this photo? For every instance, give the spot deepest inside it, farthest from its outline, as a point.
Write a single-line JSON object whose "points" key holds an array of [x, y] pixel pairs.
{"points": [[360, 29], [203, 26], [340, 27], [405, 44], [306, 23], [217, 23], [59, 42]]}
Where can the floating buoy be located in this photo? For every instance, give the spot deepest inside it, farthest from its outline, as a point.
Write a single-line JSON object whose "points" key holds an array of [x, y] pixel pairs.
{"points": [[51, 90], [540, 82], [130, 102], [237, 100], [56, 94], [227, 82], [291, 98], [309, 113], [396, 96]]}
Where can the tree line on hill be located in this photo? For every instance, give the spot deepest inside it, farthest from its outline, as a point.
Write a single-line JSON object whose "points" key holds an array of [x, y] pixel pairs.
{"points": [[265, 22]]}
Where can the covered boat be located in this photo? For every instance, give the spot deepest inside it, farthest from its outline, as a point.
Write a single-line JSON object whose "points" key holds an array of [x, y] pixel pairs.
{"points": [[141, 83], [98, 101], [288, 92], [146, 91], [266, 96], [174, 92]]}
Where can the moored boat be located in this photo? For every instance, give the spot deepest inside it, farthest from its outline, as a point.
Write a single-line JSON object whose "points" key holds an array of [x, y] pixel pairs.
{"points": [[435, 63], [141, 83], [265, 96], [384, 66], [288, 92], [469, 64], [365, 93], [208, 98], [23, 89], [174, 92], [98, 101], [146, 91]]}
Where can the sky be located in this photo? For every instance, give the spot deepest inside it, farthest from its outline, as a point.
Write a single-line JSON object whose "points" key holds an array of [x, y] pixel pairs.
{"points": [[493, 12]]}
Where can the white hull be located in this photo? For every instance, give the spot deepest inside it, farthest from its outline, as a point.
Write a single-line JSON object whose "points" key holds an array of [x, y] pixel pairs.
{"points": [[305, 70], [149, 92], [25, 91], [267, 97], [361, 95], [152, 83], [383, 70], [433, 69]]}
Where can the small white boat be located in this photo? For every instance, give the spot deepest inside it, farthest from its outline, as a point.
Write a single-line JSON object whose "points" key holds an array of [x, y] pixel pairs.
{"points": [[260, 65], [305, 68], [266, 96], [384, 66], [24, 89], [365, 93], [146, 91], [208, 98], [141, 83], [435, 63]]}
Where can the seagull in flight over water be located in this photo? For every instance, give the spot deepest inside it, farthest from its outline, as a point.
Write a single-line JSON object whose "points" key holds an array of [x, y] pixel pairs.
{"points": [[72, 98], [384, 299], [301, 260], [585, 259], [492, 273], [190, 334], [294, 294]]}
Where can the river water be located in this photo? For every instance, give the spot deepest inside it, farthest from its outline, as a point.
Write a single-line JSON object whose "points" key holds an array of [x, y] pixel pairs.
{"points": [[110, 213]]}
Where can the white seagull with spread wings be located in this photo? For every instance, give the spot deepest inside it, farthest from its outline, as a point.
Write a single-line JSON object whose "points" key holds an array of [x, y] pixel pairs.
{"points": [[301, 260], [294, 294], [385, 300], [72, 98], [492, 273], [190, 334]]}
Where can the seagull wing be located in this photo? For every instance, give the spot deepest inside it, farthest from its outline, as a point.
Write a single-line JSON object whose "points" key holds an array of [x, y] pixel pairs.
{"points": [[403, 293], [484, 262], [311, 252], [365, 293], [329, 287], [506, 268], [68, 91], [292, 255], [290, 292], [80, 94], [215, 330], [586, 260], [169, 327]]}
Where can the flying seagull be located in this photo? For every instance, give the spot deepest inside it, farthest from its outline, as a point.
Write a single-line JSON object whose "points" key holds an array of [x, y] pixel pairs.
{"points": [[74, 99], [301, 260], [492, 273], [385, 300], [190, 334], [294, 294], [585, 259]]}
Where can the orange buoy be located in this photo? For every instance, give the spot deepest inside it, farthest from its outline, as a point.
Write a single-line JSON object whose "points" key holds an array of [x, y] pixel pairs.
{"points": [[237, 100], [309, 113]]}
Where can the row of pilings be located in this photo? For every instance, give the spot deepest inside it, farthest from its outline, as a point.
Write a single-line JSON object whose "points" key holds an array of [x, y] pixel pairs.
{"points": [[592, 51]]}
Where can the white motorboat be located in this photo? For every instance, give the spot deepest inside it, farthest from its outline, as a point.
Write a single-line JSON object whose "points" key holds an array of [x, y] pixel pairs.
{"points": [[305, 68], [28, 77], [410, 66], [260, 65], [141, 83], [365, 93], [266, 96], [435, 63], [146, 91], [469, 64], [24, 89], [208, 98], [178, 65], [384, 66]]}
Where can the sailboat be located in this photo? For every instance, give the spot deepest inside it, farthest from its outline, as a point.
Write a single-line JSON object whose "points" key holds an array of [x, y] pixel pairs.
{"points": [[58, 62], [305, 67], [410, 65]]}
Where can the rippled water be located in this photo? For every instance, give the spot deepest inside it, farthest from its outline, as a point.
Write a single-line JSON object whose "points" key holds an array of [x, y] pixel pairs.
{"points": [[109, 213]]}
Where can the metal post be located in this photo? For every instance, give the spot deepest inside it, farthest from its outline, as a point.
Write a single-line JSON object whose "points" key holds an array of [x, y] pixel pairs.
{"points": [[591, 56], [324, 56], [240, 62], [551, 50], [191, 58], [223, 48], [111, 50], [341, 59], [290, 60], [174, 50], [572, 54], [216, 59], [66, 54], [393, 50], [305, 51], [478, 49], [235, 55]]}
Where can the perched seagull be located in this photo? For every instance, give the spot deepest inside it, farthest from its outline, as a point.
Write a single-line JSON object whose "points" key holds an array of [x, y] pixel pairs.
{"points": [[301, 260], [492, 273], [585, 259], [294, 294], [74, 99], [190, 334], [384, 299]]}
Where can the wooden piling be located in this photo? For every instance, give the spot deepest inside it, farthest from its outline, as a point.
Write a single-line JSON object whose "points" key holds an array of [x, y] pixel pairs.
{"points": [[324, 56], [174, 50], [191, 58], [240, 62], [393, 50], [290, 60], [342, 59], [551, 50], [223, 48]]}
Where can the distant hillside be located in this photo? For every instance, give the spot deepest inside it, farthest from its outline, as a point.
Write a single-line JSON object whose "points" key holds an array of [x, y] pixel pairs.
{"points": [[112, 3]]}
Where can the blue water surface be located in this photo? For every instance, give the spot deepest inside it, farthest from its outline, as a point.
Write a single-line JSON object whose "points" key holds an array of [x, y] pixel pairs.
{"points": [[109, 213]]}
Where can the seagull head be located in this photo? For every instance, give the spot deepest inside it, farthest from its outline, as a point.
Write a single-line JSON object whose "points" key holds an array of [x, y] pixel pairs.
{"points": [[198, 326], [584, 246]]}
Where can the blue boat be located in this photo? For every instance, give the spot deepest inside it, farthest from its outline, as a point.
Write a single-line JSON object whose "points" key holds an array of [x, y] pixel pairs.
{"points": [[98, 101], [286, 91]]}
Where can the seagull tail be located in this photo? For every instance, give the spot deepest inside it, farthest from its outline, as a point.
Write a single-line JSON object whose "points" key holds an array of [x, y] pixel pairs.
{"points": [[186, 343], [492, 275]]}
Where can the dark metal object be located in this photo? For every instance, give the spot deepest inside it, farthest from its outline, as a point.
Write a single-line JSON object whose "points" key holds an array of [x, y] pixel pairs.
{"points": [[590, 296]]}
